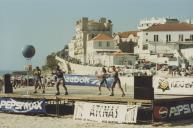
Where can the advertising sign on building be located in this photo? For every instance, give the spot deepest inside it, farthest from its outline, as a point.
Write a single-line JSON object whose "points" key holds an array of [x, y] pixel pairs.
{"points": [[174, 86], [106, 112], [15, 106]]}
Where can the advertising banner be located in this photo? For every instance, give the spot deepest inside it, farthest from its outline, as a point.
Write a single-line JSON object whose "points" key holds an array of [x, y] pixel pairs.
{"points": [[106, 112], [174, 110], [15, 106], [174, 86], [84, 80]]}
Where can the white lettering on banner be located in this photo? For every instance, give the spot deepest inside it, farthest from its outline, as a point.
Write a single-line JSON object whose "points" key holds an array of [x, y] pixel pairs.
{"points": [[77, 79], [181, 110], [106, 112], [191, 106], [95, 82], [20, 106]]}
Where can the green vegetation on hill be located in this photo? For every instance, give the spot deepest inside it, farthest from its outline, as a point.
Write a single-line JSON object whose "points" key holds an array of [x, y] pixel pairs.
{"points": [[51, 62]]}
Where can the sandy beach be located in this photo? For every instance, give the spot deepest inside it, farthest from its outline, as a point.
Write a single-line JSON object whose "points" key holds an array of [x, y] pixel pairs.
{"points": [[22, 121], [26, 121]]}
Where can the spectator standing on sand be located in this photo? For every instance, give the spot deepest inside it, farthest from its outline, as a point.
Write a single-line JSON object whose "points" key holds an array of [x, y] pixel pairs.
{"points": [[115, 74]]}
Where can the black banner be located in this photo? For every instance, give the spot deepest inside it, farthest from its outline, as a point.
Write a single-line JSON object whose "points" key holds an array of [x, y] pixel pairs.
{"points": [[174, 110]]}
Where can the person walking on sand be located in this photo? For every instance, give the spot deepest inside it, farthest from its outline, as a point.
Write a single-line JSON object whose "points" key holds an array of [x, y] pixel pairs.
{"points": [[116, 80], [60, 78], [38, 81], [103, 78]]}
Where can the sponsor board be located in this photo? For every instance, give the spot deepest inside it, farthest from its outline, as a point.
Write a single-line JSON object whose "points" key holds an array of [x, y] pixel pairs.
{"points": [[173, 110], [106, 112], [15, 106], [84, 80], [176, 86]]}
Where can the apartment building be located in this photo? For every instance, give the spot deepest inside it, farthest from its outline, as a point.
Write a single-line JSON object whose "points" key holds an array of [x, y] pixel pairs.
{"points": [[85, 30]]}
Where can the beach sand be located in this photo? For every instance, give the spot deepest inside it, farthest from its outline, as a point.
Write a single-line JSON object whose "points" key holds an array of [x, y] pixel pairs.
{"points": [[22, 121], [26, 121]]}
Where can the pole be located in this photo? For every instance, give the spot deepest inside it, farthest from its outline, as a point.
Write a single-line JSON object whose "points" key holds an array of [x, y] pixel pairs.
{"points": [[156, 58], [28, 72]]}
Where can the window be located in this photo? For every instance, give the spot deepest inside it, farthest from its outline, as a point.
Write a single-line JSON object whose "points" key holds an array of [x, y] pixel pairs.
{"points": [[168, 38], [108, 44], [156, 38], [146, 34], [145, 47], [191, 37], [146, 40], [92, 35], [100, 44], [181, 37]]}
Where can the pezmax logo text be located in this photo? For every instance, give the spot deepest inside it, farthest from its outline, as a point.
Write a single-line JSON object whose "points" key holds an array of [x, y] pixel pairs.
{"points": [[22, 106]]}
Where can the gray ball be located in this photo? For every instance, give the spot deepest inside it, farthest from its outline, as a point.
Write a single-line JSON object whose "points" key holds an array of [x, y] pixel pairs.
{"points": [[28, 51]]}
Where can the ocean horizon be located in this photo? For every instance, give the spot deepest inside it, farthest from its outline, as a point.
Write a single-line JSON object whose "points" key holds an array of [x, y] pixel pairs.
{"points": [[2, 72]]}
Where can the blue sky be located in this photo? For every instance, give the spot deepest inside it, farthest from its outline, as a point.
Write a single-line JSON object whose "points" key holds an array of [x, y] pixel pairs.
{"points": [[49, 24]]}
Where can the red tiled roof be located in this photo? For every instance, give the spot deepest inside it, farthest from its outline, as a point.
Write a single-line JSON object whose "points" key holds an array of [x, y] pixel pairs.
{"points": [[102, 37], [170, 27], [126, 34]]}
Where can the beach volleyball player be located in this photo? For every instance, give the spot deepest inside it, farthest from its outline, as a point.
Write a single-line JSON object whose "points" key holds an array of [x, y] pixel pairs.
{"points": [[116, 80], [60, 79], [37, 80], [103, 77]]}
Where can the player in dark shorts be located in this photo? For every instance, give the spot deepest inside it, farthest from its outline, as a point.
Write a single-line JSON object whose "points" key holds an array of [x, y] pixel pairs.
{"points": [[103, 78], [38, 81], [116, 80], [60, 78]]}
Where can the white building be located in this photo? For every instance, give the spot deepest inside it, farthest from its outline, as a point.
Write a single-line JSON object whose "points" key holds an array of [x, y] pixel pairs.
{"points": [[121, 58], [129, 36], [85, 30], [100, 45], [146, 23], [103, 50], [71, 48], [189, 21], [163, 39], [126, 40]]}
